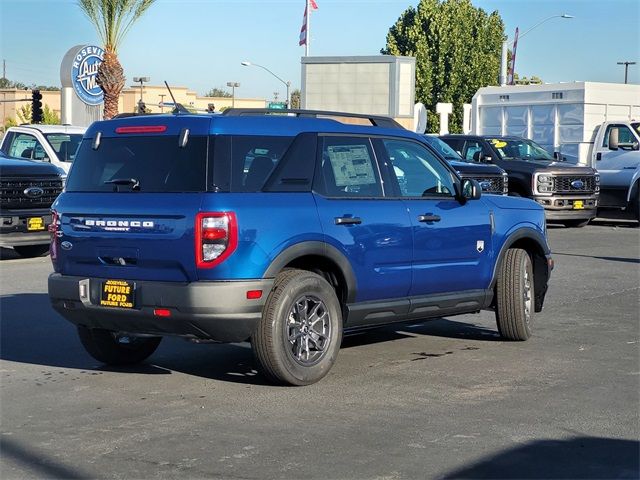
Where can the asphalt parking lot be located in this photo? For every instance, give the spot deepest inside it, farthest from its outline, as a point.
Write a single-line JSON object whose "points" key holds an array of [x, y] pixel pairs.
{"points": [[445, 399]]}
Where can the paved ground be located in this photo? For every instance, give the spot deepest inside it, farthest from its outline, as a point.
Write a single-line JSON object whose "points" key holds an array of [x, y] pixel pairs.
{"points": [[445, 399]]}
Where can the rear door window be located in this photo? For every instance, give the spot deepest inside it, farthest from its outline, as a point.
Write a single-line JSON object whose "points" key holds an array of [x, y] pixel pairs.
{"points": [[155, 163], [348, 168]]}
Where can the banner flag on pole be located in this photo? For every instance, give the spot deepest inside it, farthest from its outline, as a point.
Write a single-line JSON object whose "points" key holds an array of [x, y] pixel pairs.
{"points": [[512, 64]]}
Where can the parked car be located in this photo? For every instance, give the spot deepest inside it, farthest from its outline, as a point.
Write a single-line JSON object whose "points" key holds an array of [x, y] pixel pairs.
{"points": [[492, 179], [616, 155], [56, 144], [568, 193], [162, 230], [27, 190]]}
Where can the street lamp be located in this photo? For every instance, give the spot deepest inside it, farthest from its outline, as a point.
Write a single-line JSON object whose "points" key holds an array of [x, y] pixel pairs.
{"points": [[141, 81], [233, 86], [287, 84], [626, 68], [505, 46]]}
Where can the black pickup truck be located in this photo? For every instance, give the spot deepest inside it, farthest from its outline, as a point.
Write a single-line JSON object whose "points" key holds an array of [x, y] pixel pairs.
{"points": [[27, 190], [568, 193]]}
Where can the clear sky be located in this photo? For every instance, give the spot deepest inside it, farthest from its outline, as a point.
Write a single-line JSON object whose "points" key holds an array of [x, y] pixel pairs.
{"points": [[200, 43]]}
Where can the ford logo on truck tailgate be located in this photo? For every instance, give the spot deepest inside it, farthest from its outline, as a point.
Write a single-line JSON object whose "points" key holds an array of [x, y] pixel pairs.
{"points": [[33, 192], [577, 184]]}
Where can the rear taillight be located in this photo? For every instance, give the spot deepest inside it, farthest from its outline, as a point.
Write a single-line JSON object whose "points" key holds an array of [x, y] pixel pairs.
{"points": [[53, 230], [216, 237]]}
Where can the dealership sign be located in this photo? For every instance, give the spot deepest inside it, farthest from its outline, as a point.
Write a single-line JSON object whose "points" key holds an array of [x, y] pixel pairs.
{"points": [[84, 71]]}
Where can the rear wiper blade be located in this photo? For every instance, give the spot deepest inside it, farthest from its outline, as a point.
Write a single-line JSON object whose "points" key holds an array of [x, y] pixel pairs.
{"points": [[135, 184]]}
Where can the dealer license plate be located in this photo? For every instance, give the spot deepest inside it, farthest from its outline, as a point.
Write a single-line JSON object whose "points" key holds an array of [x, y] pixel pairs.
{"points": [[578, 205], [117, 293], [35, 224]]}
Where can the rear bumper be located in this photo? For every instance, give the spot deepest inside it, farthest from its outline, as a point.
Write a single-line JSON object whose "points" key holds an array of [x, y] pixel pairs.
{"points": [[17, 239], [217, 311]]}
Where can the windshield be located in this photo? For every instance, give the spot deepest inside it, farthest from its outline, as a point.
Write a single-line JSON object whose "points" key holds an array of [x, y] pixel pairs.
{"points": [[443, 149], [520, 149], [65, 144]]}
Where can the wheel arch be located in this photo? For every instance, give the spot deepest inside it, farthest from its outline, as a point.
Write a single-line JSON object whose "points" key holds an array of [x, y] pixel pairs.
{"points": [[320, 258], [534, 243]]}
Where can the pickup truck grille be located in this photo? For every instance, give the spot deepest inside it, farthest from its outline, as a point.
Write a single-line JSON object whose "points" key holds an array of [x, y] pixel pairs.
{"points": [[490, 184], [13, 196], [574, 184]]}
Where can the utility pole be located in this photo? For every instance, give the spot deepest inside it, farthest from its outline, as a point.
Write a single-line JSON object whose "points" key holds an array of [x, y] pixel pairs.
{"points": [[626, 69]]}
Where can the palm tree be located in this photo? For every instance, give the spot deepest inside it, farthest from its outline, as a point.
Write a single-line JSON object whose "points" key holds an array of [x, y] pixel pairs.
{"points": [[112, 19]]}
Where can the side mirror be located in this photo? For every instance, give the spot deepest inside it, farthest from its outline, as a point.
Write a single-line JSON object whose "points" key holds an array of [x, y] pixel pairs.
{"points": [[613, 139], [470, 189], [486, 159]]}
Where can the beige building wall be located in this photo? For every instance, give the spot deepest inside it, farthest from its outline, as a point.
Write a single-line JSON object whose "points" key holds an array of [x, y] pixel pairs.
{"points": [[153, 96]]}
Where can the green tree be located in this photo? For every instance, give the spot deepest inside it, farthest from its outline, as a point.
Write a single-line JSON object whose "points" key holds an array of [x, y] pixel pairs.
{"points": [[112, 20], [295, 98], [49, 117], [218, 92], [457, 48], [532, 80]]}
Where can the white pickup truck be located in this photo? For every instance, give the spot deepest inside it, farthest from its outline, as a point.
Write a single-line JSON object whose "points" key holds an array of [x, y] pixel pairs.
{"points": [[56, 144], [616, 155]]}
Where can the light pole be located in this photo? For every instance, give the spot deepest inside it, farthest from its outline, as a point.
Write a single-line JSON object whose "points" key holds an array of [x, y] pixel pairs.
{"points": [[287, 84], [626, 68], [141, 81], [233, 86], [505, 46], [162, 95]]}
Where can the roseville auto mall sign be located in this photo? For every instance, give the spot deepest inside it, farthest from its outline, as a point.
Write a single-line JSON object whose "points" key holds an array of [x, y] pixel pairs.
{"points": [[81, 98], [84, 71]]}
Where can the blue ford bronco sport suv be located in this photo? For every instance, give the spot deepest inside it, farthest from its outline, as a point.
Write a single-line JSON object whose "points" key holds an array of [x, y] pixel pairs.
{"points": [[285, 230]]}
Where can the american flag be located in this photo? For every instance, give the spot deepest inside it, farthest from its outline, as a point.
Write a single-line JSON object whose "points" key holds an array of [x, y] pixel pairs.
{"points": [[303, 30]]}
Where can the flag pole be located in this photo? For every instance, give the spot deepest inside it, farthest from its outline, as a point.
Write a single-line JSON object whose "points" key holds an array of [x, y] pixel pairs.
{"points": [[306, 45]]}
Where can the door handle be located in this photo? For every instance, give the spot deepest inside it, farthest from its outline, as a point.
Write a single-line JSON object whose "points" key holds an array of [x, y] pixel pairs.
{"points": [[598, 156], [428, 218], [348, 220]]}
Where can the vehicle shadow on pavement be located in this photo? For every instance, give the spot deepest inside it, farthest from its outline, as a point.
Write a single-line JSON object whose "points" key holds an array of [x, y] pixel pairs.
{"points": [[37, 463], [32, 332], [577, 457], [441, 327], [610, 259]]}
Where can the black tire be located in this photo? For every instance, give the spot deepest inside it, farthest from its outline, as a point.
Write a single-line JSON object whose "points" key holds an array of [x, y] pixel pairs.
{"points": [[31, 251], [576, 223], [515, 295], [110, 348], [279, 339]]}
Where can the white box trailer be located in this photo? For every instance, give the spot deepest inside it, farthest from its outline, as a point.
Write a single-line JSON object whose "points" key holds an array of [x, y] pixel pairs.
{"points": [[562, 117]]}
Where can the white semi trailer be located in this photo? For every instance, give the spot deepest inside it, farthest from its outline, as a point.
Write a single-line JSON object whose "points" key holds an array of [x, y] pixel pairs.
{"points": [[587, 123]]}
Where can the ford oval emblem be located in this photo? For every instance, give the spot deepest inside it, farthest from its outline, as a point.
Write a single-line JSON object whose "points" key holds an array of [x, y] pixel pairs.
{"points": [[66, 245], [33, 192], [577, 184], [485, 185]]}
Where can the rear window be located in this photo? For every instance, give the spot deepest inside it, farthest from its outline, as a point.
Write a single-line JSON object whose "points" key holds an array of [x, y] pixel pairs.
{"points": [[155, 163]]}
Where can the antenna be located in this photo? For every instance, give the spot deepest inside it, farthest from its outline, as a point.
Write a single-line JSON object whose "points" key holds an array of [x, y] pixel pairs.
{"points": [[179, 108]]}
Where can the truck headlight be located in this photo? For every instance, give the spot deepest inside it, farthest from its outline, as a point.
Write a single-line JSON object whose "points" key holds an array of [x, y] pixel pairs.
{"points": [[544, 184]]}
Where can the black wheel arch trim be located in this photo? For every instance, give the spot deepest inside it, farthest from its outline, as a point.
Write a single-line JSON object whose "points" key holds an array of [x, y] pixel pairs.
{"points": [[320, 249], [541, 282]]}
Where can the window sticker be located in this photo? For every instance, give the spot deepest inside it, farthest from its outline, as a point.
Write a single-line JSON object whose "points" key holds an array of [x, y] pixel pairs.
{"points": [[351, 165], [498, 143]]}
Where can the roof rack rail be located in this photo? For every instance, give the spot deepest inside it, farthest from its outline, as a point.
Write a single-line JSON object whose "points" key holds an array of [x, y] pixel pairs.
{"points": [[376, 120]]}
